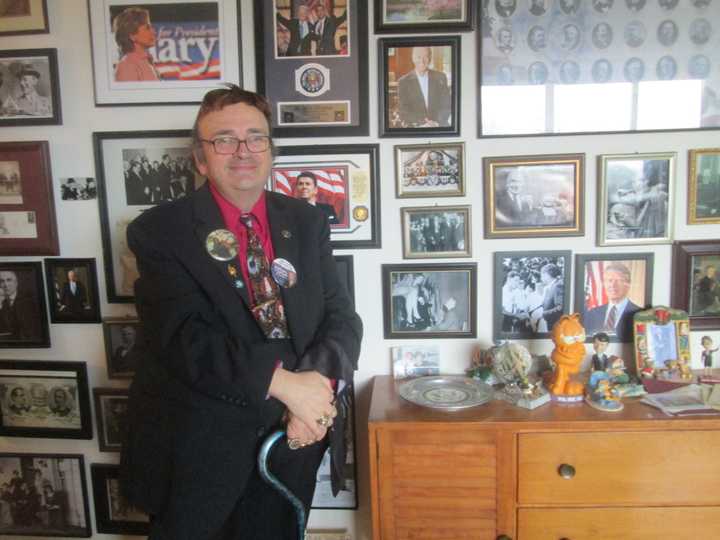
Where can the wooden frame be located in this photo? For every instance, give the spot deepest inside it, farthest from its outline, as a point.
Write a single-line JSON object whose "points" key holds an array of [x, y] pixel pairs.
{"points": [[416, 17], [18, 21], [429, 300], [436, 232], [430, 170], [113, 513], [66, 306], [29, 326], [534, 196], [703, 186], [45, 399], [27, 207], [662, 343], [110, 414], [694, 289], [123, 346], [33, 73]]}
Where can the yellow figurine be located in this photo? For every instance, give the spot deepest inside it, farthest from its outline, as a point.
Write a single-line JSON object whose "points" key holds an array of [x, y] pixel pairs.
{"points": [[568, 335]]}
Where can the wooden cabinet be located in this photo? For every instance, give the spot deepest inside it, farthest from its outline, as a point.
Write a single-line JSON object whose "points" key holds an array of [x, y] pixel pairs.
{"points": [[558, 472]]}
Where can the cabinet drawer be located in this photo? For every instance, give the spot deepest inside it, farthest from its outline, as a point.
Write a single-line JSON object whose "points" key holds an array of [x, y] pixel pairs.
{"points": [[647, 468], [618, 523]]}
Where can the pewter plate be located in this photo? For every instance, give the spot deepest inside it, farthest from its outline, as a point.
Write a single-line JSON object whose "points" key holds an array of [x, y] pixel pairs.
{"points": [[446, 392]]}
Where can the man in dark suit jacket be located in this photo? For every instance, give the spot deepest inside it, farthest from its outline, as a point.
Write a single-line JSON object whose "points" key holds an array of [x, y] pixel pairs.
{"points": [[215, 383], [554, 294], [306, 188], [73, 297], [423, 93], [325, 29], [302, 32], [19, 312], [513, 206]]}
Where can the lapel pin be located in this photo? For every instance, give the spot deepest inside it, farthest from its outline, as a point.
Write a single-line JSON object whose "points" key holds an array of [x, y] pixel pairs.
{"points": [[238, 284], [222, 245], [232, 270], [285, 234], [283, 272]]}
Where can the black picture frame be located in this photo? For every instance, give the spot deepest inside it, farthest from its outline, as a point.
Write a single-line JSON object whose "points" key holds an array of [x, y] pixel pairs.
{"points": [[66, 305], [40, 66], [124, 346], [691, 291], [387, 22], [594, 287], [111, 417], [31, 330], [436, 232], [448, 308], [333, 86], [19, 21], [110, 504], [390, 79], [62, 477], [346, 272], [530, 295], [351, 176], [29, 393]]}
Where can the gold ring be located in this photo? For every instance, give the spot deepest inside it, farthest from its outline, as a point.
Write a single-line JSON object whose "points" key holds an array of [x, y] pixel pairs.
{"points": [[324, 420], [294, 444]]}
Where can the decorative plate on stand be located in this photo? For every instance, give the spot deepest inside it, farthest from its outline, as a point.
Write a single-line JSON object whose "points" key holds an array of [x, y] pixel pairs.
{"points": [[446, 392]]}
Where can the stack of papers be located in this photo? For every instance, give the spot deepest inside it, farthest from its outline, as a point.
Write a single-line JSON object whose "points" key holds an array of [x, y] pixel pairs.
{"points": [[691, 399]]}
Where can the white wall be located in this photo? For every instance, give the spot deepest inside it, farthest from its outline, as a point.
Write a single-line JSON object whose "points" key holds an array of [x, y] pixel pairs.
{"points": [[78, 222]]}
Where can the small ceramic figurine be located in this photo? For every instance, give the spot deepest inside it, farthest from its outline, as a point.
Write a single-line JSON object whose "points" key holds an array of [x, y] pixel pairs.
{"points": [[568, 335], [601, 393], [600, 345], [707, 353], [616, 370]]}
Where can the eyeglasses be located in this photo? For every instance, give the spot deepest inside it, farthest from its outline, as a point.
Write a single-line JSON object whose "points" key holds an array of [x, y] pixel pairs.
{"points": [[230, 145]]}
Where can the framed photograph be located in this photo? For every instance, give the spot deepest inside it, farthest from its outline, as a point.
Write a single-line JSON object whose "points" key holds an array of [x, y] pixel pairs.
{"points": [[422, 16], [30, 92], [135, 171], [430, 170], [436, 232], [341, 181], [111, 415], [113, 513], [635, 198], [534, 196], [610, 289], [572, 67], [662, 344], [72, 290], [411, 361], [27, 208], [407, 66], [44, 399], [23, 17], [531, 292], [78, 189], [312, 65], [695, 281], [51, 492], [704, 186], [429, 300], [124, 347], [345, 268], [163, 52], [23, 315]]}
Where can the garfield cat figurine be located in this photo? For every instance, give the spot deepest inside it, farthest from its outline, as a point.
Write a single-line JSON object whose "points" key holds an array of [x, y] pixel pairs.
{"points": [[568, 335]]}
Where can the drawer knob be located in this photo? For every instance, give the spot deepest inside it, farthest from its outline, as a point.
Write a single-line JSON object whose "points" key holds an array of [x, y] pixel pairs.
{"points": [[566, 471], [503, 537]]}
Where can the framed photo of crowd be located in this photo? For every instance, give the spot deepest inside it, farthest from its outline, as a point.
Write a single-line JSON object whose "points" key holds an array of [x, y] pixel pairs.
{"points": [[695, 281], [419, 86], [339, 180], [113, 513], [704, 186], [23, 315], [311, 63], [422, 16], [23, 17], [30, 93], [163, 52], [436, 232], [430, 170], [534, 196], [72, 290]]}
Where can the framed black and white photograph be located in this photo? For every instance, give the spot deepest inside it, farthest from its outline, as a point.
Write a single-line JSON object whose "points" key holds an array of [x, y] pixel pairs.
{"points": [[421, 16], [111, 414], [430, 170], [532, 292], [113, 513], [419, 86], [635, 198], [72, 290], [135, 171], [346, 273], [704, 186], [436, 232], [30, 93], [341, 181], [78, 189], [19, 17], [312, 65], [23, 315], [609, 289], [163, 52], [44, 495], [124, 346], [534, 196], [696, 283], [44, 399], [429, 300]]}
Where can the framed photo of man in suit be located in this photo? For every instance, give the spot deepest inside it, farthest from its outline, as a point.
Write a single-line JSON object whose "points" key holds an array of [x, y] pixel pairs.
{"points": [[23, 315], [696, 282], [704, 186], [419, 86], [72, 290], [610, 289], [124, 346], [111, 414]]}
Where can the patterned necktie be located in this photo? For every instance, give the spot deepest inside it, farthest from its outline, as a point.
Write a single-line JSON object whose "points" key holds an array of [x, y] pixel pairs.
{"points": [[267, 306], [611, 319]]}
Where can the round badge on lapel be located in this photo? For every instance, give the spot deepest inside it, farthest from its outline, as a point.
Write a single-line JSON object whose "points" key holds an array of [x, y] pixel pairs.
{"points": [[222, 245], [284, 273]]}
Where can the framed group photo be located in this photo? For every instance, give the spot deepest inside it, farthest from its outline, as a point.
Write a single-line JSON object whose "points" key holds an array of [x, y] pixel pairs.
{"points": [[163, 52], [429, 300], [44, 399], [696, 283], [111, 405], [704, 186], [72, 290], [610, 289], [124, 346], [419, 85], [23, 315], [435, 232], [531, 291], [339, 180], [422, 16], [534, 196], [23, 17], [30, 93], [430, 170], [113, 513], [27, 207]]}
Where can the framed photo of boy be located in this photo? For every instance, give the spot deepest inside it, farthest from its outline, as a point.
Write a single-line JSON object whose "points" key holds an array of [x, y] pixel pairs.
{"points": [[111, 415], [23, 315], [610, 289], [534, 196], [30, 93], [72, 290], [695, 281], [436, 232], [704, 186], [23, 17], [113, 513], [124, 347], [429, 300], [430, 170], [422, 16], [419, 85], [635, 198]]}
